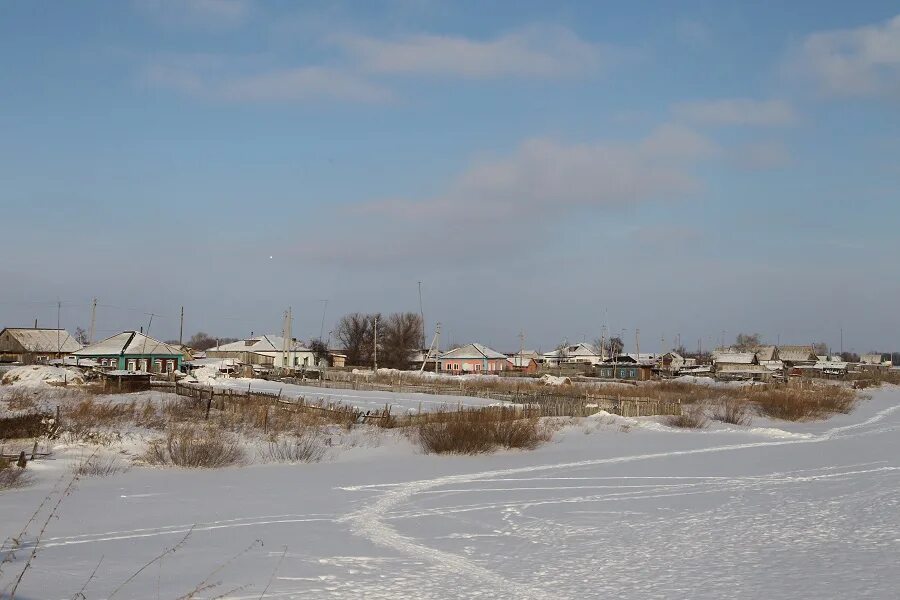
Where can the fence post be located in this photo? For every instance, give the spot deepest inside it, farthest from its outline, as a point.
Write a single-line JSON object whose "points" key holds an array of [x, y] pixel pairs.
{"points": [[208, 406]]}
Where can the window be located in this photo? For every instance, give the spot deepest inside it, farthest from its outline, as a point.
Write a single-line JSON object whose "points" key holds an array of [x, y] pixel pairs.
{"points": [[305, 361], [634, 372], [131, 364], [170, 366], [158, 365]]}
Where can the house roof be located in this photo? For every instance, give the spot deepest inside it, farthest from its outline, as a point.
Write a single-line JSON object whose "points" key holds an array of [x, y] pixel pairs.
{"points": [[580, 349], [477, 351], [797, 353], [261, 343], [735, 358], [766, 353], [128, 343], [521, 360], [43, 340]]}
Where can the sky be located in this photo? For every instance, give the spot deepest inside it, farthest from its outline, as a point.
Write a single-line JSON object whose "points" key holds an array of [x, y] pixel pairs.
{"points": [[561, 170]]}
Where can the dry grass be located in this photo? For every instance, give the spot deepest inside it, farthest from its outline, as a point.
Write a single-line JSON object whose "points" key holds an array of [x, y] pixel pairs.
{"points": [[12, 476], [735, 412], [798, 404], [21, 398], [98, 466], [194, 447], [690, 418], [478, 431], [306, 447], [30, 425]]}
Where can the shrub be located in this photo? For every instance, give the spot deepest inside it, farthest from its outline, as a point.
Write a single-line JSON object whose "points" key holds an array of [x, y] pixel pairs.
{"points": [[794, 404], [734, 412], [306, 447], [196, 448], [478, 431], [97, 466], [692, 418]]}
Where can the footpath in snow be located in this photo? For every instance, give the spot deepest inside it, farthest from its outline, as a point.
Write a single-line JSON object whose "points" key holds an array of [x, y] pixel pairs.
{"points": [[611, 508]]}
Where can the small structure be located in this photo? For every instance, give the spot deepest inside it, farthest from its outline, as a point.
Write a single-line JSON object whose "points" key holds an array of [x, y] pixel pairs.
{"points": [[875, 359], [338, 359], [740, 366], [31, 345], [625, 367], [266, 350], [133, 351], [473, 358], [671, 363], [125, 381], [523, 363]]}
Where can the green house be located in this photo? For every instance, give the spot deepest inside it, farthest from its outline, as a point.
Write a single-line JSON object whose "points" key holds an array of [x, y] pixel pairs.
{"points": [[133, 351]]}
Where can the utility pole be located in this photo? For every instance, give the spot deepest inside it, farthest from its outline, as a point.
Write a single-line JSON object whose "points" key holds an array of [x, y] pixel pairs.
{"points": [[637, 342], [521, 344], [422, 314], [842, 343], [93, 321], [180, 329], [375, 348], [322, 328], [435, 347], [58, 310]]}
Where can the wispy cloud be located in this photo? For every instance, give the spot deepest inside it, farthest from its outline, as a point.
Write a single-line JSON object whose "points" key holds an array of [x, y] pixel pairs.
{"points": [[196, 13], [737, 111], [532, 52], [863, 61], [218, 79], [692, 32]]}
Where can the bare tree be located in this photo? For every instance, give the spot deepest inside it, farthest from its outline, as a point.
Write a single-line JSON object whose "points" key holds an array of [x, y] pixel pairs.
{"points": [[747, 341], [203, 341], [398, 338], [81, 336], [821, 349], [319, 350], [614, 346], [356, 333]]}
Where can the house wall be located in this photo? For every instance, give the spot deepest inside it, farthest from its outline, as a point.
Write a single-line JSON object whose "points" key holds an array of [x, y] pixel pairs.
{"points": [[155, 363], [474, 365], [630, 372]]}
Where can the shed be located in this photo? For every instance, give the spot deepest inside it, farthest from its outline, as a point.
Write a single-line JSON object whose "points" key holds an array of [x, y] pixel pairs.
{"points": [[125, 381]]}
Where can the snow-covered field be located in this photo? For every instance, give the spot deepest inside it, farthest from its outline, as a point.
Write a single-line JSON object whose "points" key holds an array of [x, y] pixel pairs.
{"points": [[611, 508], [360, 399]]}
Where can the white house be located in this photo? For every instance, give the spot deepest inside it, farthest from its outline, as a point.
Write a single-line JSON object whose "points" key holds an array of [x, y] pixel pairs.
{"points": [[582, 353], [266, 350]]}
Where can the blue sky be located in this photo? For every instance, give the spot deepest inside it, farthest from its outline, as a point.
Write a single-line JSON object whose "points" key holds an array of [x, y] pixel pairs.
{"points": [[679, 168]]}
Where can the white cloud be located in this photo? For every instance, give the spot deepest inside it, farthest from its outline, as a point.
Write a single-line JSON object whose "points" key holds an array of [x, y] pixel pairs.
{"points": [[196, 13], [532, 52], [737, 111], [214, 78], [692, 32], [547, 176], [863, 61]]}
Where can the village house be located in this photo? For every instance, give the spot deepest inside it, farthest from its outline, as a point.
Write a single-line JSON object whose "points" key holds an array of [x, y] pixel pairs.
{"points": [[266, 351], [875, 359], [31, 345], [671, 362], [473, 358], [740, 365], [133, 351], [628, 367], [797, 356], [524, 362], [581, 353]]}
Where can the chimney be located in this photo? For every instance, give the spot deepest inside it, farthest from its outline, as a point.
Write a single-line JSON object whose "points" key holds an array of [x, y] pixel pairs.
{"points": [[142, 329]]}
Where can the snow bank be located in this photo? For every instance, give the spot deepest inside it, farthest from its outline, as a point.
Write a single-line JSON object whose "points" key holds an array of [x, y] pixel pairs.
{"points": [[41, 375], [554, 380]]}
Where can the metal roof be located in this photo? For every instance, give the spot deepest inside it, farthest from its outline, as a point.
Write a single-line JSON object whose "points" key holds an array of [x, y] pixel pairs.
{"points": [[476, 351], [262, 343], [128, 343], [43, 340]]}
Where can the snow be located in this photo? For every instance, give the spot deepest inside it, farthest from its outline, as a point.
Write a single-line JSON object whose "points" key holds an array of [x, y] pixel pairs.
{"points": [[611, 508], [42, 375], [360, 399]]}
